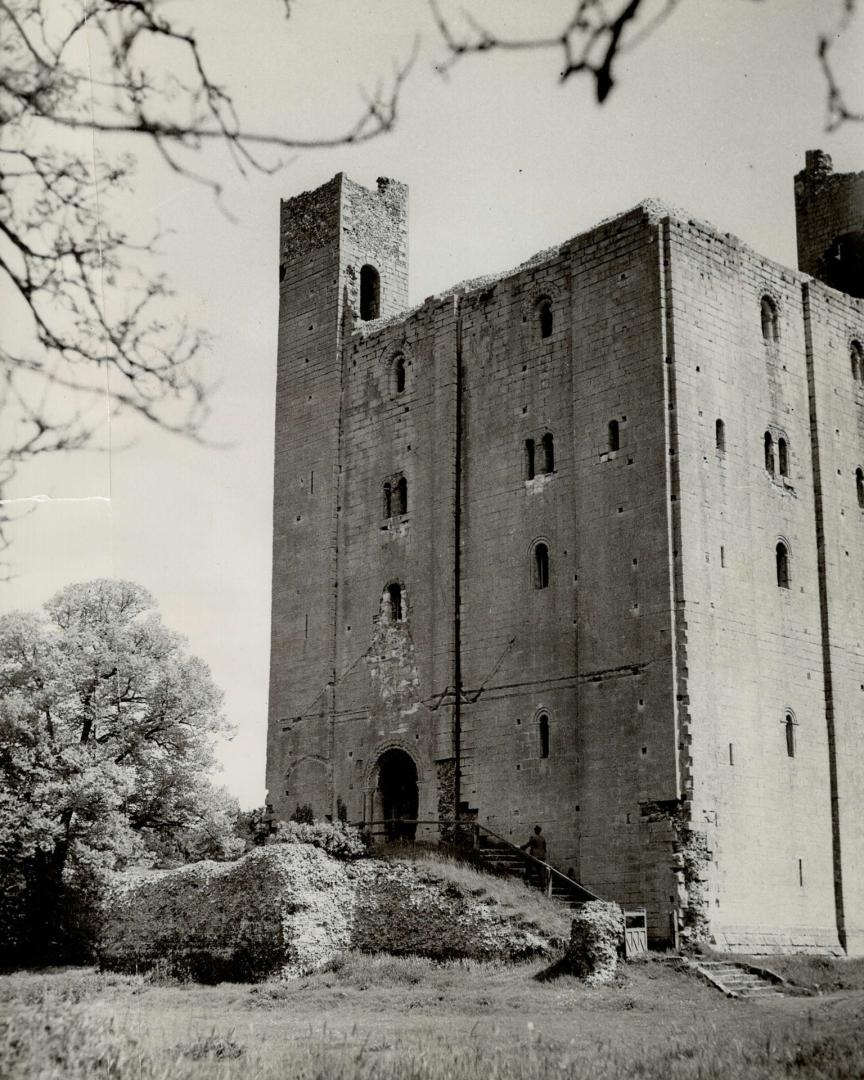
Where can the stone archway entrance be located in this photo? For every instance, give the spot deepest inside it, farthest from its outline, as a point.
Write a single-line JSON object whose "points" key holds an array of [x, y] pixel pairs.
{"points": [[397, 793]]}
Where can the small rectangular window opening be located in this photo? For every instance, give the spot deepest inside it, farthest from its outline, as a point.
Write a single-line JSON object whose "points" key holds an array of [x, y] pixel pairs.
{"points": [[731, 755], [801, 873], [722, 555], [614, 435], [306, 627], [548, 453], [529, 459]]}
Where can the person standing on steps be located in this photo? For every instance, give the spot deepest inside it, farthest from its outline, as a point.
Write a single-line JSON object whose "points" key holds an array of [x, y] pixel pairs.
{"points": [[536, 847]]}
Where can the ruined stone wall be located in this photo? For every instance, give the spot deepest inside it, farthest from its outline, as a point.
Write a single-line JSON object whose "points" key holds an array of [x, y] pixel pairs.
{"points": [[834, 323], [750, 650]]}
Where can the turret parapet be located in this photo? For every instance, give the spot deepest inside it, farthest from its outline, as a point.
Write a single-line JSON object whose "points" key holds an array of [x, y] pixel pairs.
{"points": [[829, 212]]}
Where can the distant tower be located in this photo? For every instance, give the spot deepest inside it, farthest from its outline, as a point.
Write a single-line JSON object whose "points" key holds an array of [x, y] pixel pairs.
{"points": [[829, 212], [343, 255]]}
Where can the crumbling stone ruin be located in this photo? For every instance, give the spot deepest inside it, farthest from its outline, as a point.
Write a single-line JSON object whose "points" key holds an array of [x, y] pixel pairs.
{"points": [[290, 909], [581, 544]]}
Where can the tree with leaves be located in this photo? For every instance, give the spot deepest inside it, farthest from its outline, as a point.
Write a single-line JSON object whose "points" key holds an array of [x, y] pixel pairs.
{"points": [[106, 738]]}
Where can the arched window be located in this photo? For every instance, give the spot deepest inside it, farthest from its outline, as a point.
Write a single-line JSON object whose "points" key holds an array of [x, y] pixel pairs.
{"points": [[769, 453], [544, 311], [399, 373], [393, 600], [770, 324], [388, 499], [790, 735], [370, 293], [541, 566], [543, 724], [782, 558], [782, 457], [548, 453], [402, 495], [856, 358], [720, 435], [529, 459], [614, 435]]}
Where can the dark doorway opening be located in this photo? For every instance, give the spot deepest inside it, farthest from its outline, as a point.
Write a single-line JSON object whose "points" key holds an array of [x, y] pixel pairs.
{"points": [[397, 787]]}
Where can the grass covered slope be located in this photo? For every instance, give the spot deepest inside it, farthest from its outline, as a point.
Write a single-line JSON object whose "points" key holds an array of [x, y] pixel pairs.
{"points": [[286, 909], [390, 1018]]}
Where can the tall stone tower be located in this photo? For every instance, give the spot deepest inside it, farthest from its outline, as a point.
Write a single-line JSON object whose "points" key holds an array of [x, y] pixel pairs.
{"points": [[343, 253], [829, 213]]}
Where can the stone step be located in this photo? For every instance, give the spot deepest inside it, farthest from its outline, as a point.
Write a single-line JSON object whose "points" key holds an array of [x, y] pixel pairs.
{"points": [[738, 979]]}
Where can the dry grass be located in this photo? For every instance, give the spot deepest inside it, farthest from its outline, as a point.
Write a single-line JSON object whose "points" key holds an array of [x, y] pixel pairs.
{"points": [[518, 901], [822, 973], [377, 1018]]}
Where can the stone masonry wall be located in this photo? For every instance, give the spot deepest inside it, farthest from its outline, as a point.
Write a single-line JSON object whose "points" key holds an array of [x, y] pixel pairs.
{"points": [[751, 651], [834, 323], [326, 236]]}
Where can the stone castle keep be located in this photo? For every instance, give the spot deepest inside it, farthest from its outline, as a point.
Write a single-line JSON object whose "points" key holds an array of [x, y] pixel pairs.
{"points": [[581, 545]]}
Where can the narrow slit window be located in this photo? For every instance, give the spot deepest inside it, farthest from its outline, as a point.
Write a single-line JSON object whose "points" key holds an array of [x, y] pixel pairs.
{"points": [[614, 435], [769, 453], [790, 736], [370, 293], [859, 486], [388, 499], [402, 495], [548, 453], [544, 735], [783, 457], [394, 601], [782, 559], [529, 459], [399, 373], [545, 314], [856, 358], [541, 566], [720, 436], [770, 326]]}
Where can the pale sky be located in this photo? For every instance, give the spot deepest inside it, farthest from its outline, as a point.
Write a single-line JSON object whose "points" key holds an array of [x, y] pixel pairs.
{"points": [[713, 114]]}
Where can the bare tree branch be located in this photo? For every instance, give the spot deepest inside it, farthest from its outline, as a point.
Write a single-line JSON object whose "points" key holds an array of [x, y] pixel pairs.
{"points": [[838, 111], [599, 31], [91, 318]]}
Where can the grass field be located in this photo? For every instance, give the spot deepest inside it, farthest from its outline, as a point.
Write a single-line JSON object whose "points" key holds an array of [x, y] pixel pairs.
{"points": [[383, 1018]]}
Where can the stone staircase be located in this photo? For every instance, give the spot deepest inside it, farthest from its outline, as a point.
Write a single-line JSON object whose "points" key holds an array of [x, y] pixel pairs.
{"points": [[740, 979], [500, 858]]}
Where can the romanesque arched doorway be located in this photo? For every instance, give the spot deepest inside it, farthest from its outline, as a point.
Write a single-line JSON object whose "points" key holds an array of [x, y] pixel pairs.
{"points": [[398, 793]]}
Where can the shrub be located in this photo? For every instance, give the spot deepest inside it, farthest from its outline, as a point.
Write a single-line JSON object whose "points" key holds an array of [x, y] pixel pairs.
{"points": [[303, 814], [338, 839]]}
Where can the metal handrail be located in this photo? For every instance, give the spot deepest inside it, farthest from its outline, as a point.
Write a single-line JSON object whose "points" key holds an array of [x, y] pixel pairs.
{"points": [[476, 828]]}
